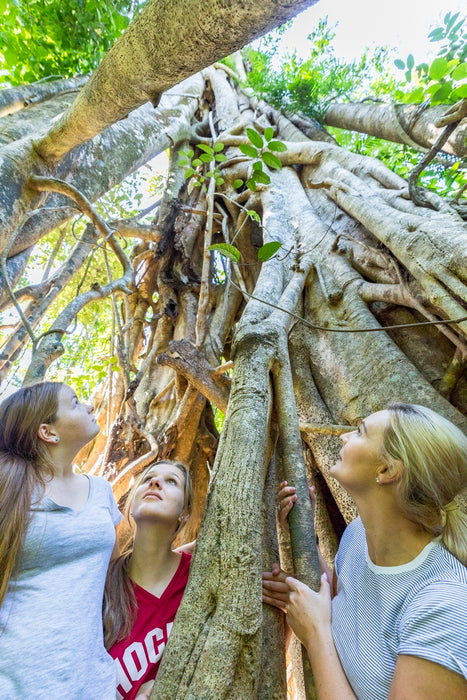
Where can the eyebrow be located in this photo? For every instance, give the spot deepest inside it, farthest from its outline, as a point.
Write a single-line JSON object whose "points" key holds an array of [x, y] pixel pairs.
{"points": [[149, 474]]}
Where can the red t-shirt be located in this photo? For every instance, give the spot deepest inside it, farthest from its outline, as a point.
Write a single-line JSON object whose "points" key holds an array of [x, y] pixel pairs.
{"points": [[138, 656]]}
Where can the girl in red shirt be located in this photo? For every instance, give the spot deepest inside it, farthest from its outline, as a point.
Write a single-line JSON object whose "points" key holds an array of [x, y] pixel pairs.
{"points": [[145, 584]]}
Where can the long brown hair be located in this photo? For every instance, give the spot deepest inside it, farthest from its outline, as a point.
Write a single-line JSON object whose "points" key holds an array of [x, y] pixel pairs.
{"points": [[24, 465], [433, 452], [119, 608]]}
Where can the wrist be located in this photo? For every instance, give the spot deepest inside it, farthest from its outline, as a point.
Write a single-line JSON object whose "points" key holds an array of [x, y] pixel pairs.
{"points": [[318, 637]]}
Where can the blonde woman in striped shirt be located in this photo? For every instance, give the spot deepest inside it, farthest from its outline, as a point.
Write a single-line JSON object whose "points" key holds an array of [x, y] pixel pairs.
{"points": [[396, 627]]}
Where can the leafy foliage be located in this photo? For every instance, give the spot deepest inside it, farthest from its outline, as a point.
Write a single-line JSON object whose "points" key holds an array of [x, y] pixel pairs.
{"points": [[308, 86], [40, 38], [444, 80], [89, 342]]}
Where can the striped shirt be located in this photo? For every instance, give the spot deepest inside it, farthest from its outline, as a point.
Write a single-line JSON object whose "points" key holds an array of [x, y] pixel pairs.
{"points": [[379, 612]]}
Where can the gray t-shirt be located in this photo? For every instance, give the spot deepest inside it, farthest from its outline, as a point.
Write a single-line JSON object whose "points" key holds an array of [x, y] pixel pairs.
{"points": [[51, 638]]}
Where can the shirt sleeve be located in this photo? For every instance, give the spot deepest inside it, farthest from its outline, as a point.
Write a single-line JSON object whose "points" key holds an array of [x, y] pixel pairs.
{"points": [[114, 511], [434, 626]]}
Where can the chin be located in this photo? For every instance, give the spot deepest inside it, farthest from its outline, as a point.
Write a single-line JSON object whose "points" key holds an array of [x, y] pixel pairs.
{"points": [[334, 470], [94, 433]]}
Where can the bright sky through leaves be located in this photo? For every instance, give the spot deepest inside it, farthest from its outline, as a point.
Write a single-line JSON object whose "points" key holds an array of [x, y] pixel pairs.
{"points": [[400, 24]]}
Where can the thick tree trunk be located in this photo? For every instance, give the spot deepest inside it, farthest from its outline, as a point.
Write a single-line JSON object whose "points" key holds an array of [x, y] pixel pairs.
{"points": [[413, 125], [158, 50], [304, 333]]}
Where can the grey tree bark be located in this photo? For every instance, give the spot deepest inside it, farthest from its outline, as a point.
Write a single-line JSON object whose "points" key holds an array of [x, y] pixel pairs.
{"points": [[294, 350], [418, 126]]}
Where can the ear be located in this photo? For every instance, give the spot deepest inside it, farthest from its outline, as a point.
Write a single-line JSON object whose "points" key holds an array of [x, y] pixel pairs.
{"points": [[390, 473], [47, 434]]}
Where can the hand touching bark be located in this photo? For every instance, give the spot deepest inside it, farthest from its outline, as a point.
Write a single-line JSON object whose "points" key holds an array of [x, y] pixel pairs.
{"points": [[275, 590], [286, 497], [308, 612]]}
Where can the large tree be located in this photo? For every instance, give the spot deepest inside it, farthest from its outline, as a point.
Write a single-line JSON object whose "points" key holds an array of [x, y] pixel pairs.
{"points": [[293, 344]]}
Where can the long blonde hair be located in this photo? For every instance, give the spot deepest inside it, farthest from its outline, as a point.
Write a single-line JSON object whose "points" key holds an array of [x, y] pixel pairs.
{"points": [[119, 607], [24, 466], [433, 452]]}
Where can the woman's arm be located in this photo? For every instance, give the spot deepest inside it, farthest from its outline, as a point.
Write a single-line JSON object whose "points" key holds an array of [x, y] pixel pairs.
{"points": [[420, 679], [309, 616]]}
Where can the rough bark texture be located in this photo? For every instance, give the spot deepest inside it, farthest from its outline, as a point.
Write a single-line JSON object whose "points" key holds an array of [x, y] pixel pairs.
{"points": [[164, 50], [414, 125], [294, 350]]}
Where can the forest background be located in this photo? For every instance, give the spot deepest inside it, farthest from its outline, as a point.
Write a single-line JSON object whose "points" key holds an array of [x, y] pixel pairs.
{"points": [[253, 302]]}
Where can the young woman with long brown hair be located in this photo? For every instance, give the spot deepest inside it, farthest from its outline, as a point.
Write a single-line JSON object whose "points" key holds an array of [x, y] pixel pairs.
{"points": [[57, 534], [145, 584], [396, 627]]}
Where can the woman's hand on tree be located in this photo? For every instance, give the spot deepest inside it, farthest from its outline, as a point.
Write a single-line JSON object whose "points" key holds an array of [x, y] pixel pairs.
{"points": [[286, 497], [306, 610], [275, 590]]}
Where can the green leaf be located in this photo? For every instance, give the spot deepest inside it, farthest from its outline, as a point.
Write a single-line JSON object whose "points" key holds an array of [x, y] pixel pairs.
{"points": [[436, 34], [210, 173], [220, 157], [257, 165], [197, 162], [203, 147], [408, 75], [268, 133], [255, 138], [183, 161], [459, 72], [261, 177], [230, 251], [251, 184], [188, 173], [254, 215], [442, 95], [219, 146], [271, 160], [205, 157], [277, 146], [459, 92], [248, 150], [268, 250], [410, 61], [431, 89], [219, 181], [237, 183], [415, 96], [438, 68], [399, 64]]}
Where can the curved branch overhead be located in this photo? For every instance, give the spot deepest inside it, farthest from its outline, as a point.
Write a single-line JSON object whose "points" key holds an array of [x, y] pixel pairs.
{"points": [[257, 396], [414, 125], [158, 50]]}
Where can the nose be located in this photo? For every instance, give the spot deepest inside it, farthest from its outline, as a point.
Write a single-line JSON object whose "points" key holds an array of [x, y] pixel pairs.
{"points": [[345, 436], [155, 481]]}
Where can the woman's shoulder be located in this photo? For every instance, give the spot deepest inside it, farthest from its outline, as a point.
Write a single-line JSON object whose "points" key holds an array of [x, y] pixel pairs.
{"points": [[98, 484], [101, 493], [444, 566]]}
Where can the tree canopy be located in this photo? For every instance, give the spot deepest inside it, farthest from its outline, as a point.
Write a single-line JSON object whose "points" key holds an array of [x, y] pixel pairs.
{"points": [[280, 282]]}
